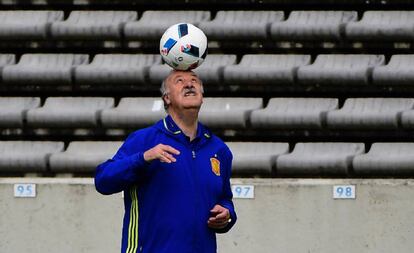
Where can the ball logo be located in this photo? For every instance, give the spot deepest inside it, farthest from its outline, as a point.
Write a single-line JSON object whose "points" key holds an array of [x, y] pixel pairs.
{"points": [[164, 51], [179, 59], [215, 166], [185, 48]]}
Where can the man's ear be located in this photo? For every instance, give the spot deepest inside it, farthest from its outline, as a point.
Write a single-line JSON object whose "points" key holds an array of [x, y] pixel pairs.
{"points": [[167, 100]]}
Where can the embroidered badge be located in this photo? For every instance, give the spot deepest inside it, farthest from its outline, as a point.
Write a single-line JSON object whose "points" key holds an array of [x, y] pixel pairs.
{"points": [[215, 166]]}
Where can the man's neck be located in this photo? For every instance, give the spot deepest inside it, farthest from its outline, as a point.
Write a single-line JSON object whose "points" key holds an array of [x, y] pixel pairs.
{"points": [[186, 121]]}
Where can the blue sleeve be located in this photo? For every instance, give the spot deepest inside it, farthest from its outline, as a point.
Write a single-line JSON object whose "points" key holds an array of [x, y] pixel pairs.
{"points": [[123, 170], [226, 200]]}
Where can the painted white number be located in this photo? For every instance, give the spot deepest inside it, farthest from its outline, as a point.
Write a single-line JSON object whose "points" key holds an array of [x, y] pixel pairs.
{"points": [[344, 192], [24, 190], [243, 191]]}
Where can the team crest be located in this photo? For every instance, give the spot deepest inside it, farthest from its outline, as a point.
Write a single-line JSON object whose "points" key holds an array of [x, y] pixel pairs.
{"points": [[215, 166]]}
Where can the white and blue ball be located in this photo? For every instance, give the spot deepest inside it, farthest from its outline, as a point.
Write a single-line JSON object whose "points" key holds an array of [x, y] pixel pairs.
{"points": [[183, 46]]}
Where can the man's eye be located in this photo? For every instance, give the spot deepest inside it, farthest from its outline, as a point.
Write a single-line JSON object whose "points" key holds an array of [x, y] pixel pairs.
{"points": [[179, 80]]}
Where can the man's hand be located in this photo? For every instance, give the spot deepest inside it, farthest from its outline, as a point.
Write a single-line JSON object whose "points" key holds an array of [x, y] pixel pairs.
{"points": [[162, 152], [220, 217]]}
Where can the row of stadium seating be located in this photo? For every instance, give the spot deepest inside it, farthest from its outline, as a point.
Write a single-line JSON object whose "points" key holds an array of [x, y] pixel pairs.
{"points": [[250, 158], [331, 69], [226, 25], [224, 113]]}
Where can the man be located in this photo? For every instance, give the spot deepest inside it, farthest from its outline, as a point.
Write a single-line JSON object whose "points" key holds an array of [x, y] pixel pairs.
{"points": [[175, 177]]}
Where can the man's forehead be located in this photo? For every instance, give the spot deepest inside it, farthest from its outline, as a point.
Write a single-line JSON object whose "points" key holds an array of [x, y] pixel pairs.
{"points": [[177, 73]]}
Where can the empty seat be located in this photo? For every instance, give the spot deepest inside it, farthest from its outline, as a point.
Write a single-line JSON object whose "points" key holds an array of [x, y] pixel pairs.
{"points": [[134, 113], [391, 159], [116, 69], [23, 25], [369, 113], [13, 110], [83, 156], [312, 25], [228, 112], [265, 69], [407, 119], [68, 112], [339, 69], [55, 69], [92, 25], [294, 113], [210, 72], [382, 26], [319, 159], [255, 157], [240, 25], [399, 71], [27, 156], [153, 24], [6, 59]]}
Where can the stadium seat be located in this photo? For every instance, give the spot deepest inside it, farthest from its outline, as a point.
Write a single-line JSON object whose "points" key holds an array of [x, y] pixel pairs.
{"points": [[116, 69], [68, 112], [319, 159], [52, 69], [407, 119], [228, 112], [92, 25], [210, 71], [399, 71], [6, 59], [255, 158], [13, 110], [83, 156], [240, 25], [386, 159], [153, 24], [134, 113], [294, 113], [382, 26], [265, 69], [27, 156], [339, 69], [369, 113], [312, 25], [24, 25]]}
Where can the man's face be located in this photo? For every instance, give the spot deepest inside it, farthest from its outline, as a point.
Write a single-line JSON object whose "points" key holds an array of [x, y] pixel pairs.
{"points": [[184, 91]]}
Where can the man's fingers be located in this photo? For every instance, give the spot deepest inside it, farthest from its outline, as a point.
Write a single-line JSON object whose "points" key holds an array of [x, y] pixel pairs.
{"points": [[223, 215], [170, 149]]}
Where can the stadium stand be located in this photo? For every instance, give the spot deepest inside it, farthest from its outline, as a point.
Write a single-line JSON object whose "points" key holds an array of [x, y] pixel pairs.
{"points": [[398, 71], [27, 156], [83, 156], [13, 110]]}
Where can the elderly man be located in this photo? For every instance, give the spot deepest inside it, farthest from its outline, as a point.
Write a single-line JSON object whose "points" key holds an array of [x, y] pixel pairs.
{"points": [[175, 176]]}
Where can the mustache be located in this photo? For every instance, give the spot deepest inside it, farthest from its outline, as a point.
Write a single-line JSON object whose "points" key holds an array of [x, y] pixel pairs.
{"points": [[190, 89]]}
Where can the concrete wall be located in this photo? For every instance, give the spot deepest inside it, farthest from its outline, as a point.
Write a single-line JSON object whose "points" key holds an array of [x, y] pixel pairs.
{"points": [[286, 215]]}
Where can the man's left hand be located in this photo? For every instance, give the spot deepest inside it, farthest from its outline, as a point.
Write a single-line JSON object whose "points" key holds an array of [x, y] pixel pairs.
{"points": [[220, 217]]}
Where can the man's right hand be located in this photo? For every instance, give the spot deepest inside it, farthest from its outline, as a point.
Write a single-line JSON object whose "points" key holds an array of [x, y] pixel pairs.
{"points": [[162, 152]]}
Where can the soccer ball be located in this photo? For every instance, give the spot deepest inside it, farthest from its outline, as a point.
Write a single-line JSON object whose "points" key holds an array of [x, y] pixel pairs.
{"points": [[183, 46]]}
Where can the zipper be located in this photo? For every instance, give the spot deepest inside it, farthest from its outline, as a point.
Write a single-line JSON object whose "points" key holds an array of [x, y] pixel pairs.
{"points": [[194, 154]]}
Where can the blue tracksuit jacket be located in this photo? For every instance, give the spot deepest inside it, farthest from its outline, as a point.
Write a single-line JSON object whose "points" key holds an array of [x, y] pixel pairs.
{"points": [[167, 205]]}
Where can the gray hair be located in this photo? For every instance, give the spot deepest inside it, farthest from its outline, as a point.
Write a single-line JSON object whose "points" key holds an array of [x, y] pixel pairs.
{"points": [[164, 89]]}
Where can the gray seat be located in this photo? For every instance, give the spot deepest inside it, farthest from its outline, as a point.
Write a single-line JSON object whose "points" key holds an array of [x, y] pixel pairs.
{"points": [[116, 69], [92, 25], [399, 71], [255, 157], [382, 26], [153, 24], [54, 69], [6, 59], [228, 112], [339, 69], [23, 25], [312, 25], [369, 113], [294, 113], [240, 25], [27, 156], [319, 159], [68, 112], [83, 156], [210, 72], [13, 110], [134, 113], [265, 69], [386, 159], [407, 119]]}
